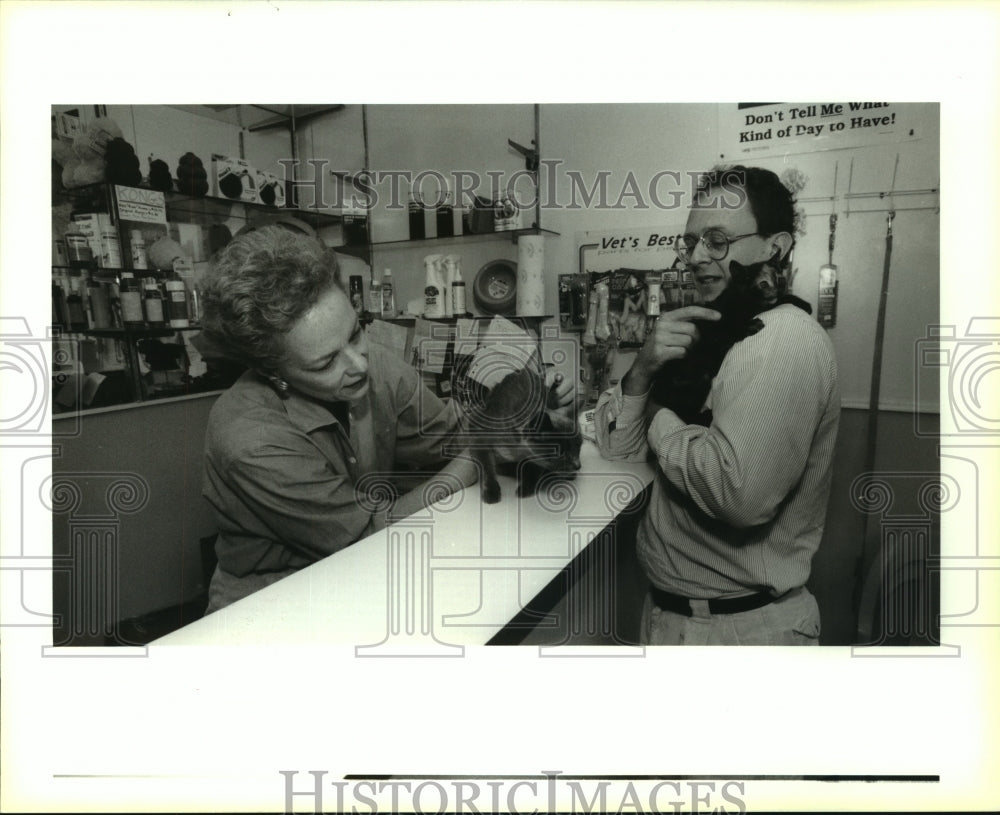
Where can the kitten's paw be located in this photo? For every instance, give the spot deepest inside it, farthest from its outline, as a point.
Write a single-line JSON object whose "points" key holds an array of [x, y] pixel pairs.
{"points": [[491, 493]]}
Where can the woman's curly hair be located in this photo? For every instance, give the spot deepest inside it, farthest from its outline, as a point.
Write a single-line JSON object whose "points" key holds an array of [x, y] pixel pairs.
{"points": [[256, 289]]}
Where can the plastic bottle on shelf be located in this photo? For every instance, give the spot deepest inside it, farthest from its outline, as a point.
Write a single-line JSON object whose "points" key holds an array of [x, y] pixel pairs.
{"points": [[100, 306], [74, 302], [388, 297], [434, 287], [457, 289], [130, 295], [111, 250], [60, 314], [505, 212], [138, 250], [445, 217], [416, 213], [153, 303], [375, 295], [115, 304], [177, 304]]}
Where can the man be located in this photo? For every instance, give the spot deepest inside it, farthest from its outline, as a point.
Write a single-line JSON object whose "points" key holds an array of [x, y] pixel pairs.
{"points": [[319, 421], [737, 508]]}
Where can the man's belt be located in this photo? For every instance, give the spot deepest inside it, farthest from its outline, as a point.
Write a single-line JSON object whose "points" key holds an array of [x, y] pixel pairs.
{"points": [[733, 605]]}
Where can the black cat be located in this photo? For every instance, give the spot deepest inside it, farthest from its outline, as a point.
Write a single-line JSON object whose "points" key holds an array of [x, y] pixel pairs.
{"points": [[516, 427], [683, 385]]}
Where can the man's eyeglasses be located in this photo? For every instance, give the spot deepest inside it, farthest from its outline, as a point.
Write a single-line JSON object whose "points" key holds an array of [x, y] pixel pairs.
{"points": [[715, 241]]}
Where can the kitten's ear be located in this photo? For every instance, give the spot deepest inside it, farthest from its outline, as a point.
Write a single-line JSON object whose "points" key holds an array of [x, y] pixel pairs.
{"points": [[741, 273]]}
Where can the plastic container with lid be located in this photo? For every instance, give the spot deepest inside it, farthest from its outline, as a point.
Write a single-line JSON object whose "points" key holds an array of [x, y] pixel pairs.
{"points": [[388, 297], [456, 293], [177, 304], [130, 300], [153, 303]]}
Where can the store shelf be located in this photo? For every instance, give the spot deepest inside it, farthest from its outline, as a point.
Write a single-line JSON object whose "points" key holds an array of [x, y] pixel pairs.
{"points": [[97, 196], [511, 234], [122, 333], [212, 207], [410, 319], [108, 274]]}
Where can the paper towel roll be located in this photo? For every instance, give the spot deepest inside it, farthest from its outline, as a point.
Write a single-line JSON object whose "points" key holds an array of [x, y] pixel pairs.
{"points": [[530, 276]]}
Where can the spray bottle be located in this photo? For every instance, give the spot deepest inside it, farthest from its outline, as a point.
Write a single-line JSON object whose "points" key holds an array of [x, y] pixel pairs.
{"points": [[456, 286], [434, 288]]}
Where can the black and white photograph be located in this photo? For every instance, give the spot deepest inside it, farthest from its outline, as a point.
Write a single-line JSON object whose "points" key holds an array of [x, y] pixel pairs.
{"points": [[383, 436]]}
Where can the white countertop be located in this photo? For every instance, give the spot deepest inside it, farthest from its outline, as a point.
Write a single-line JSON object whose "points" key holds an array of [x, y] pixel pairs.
{"points": [[451, 575]]}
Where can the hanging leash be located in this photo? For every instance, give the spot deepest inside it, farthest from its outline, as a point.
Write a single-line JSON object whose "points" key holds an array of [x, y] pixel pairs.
{"points": [[876, 381]]}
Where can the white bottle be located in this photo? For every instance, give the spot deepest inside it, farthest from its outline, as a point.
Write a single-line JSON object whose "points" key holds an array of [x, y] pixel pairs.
{"points": [[375, 296], [388, 300], [434, 288], [456, 290], [448, 263], [138, 246]]}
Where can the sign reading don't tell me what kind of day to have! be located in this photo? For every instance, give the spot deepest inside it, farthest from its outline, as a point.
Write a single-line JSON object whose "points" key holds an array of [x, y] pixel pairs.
{"points": [[758, 129]]}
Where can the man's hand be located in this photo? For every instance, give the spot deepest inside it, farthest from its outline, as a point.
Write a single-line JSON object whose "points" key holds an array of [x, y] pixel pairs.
{"points": [[565, 389], [671, 336]]}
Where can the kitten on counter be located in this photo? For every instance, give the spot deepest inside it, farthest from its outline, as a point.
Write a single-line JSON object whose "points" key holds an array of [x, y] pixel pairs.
{"points": [[516, 427], [683, 385]]}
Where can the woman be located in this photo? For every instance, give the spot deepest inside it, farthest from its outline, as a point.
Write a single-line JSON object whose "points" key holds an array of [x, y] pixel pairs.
{"points": [[317, 415]]}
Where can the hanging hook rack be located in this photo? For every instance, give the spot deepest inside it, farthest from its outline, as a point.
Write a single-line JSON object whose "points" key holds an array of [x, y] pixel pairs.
{"points": [[891, 194], [892, 187]]}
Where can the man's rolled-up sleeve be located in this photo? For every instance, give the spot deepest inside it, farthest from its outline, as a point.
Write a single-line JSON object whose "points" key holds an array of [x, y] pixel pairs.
{"points": [[620, 426]]}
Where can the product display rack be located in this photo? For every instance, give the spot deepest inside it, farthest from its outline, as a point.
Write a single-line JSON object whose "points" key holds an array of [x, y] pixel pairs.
{"points": [[113, 351], [510, 234]]}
